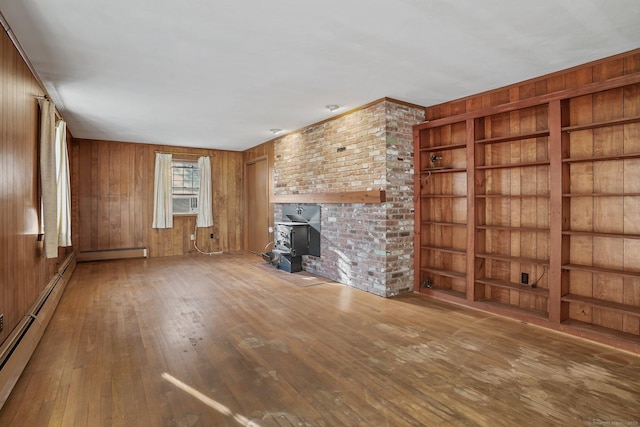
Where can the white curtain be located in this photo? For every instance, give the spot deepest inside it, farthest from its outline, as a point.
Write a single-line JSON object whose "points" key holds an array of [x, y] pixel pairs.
{"points": [[162, 202], [63, 186], [205, 210], [48, 177]]}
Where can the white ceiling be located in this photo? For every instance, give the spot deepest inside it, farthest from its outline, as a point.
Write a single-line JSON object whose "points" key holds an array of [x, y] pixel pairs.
{"points": [[221, 74]]}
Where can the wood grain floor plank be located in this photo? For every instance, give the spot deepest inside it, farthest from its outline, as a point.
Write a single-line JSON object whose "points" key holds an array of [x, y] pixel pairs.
{"points": [[227, 341]]}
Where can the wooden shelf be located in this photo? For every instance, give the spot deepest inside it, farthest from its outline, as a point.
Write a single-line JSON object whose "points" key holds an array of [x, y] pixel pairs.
{"points": [[601, 195], [442, 196], [510, 138], [612, 337], [516, 286], [600, 270], [434, 291], [373, 196], [441, 249], [601, 158], [445, 224], [430, 124], [442, 148], [501, 307], [509, 258], [445, 273], [442, 170], [607, 123], [598, 234], [513, 165], [512, 196], [609, 305], [508, 228]]}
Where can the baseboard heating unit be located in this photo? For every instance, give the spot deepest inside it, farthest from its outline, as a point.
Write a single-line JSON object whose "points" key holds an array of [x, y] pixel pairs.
{"points": [[110, 254], [17, 349]]}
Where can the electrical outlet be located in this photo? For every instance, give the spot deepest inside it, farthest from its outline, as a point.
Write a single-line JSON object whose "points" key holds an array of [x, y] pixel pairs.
{"points": [[524, 278], [193, 237], [211, 236]]}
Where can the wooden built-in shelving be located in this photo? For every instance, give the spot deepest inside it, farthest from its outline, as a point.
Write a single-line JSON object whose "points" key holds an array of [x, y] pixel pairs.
{"points": [[446, 273], [622, 156], [449, 250], [601, 270], [515, 137], [444, 224], [443, 148], [596, 234], [552, 190], [440, 209], [601, 124], [443, 170], [513, 165], [509, 258], [516, 286], [611, 305], [601, 195]]}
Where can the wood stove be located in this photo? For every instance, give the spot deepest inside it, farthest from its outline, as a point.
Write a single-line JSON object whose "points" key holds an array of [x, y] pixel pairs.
{"points": [[296, 235]]}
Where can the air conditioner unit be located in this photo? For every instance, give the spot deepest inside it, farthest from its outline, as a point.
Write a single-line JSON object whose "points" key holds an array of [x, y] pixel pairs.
{"points": [[185, 204]]}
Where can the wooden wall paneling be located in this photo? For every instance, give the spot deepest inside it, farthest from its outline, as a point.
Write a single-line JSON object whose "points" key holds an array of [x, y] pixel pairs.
{"points": [[117, 200], [103, 196], [23, 272], [221, 200], [114, 178], [93, 182], [238, 201], [608, 69], [632, 64], [140, 215], [128, 202]]}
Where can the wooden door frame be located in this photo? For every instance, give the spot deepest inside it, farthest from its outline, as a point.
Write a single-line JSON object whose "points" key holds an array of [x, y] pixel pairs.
{"points": [[246, 201]]}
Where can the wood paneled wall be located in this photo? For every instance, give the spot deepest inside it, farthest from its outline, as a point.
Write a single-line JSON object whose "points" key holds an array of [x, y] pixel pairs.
{"points": [[24, 273], [597, 71], [115, 200]]}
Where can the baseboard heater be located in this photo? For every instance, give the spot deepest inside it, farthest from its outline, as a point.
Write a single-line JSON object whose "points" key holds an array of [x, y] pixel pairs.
{"points": [[109, 254], [17, 349]]}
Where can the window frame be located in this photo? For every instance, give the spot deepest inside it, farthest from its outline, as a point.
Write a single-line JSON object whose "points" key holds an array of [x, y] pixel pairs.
{"points": [[179, 191]]}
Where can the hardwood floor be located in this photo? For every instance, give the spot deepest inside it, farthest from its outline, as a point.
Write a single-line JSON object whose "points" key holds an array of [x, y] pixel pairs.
{"points": [[227, 341]]}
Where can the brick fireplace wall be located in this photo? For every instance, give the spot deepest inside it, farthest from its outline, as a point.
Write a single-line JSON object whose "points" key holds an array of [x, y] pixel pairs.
{"points": [[367, 246]]}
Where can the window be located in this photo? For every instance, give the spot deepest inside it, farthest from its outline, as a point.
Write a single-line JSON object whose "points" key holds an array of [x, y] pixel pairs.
{"points": [[185, 184]]}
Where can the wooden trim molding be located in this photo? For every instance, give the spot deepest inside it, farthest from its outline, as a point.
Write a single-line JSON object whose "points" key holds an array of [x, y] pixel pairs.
{"points": [[588, 89], [372, 196]]}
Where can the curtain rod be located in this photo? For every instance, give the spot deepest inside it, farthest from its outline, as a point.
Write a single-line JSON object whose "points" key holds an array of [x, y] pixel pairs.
{"points": [[55, 110], [183, 153]]}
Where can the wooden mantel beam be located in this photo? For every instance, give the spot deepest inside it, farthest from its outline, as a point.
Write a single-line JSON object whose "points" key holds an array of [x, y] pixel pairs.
{"points": [[372, 196]]}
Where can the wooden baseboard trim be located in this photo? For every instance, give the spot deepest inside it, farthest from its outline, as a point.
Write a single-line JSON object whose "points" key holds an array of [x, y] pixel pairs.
{"points": [[17, 349], [110, 254]]}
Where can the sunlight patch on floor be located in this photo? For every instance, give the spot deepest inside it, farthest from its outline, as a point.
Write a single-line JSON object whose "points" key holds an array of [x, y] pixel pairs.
{"points": [[242, 420]]}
